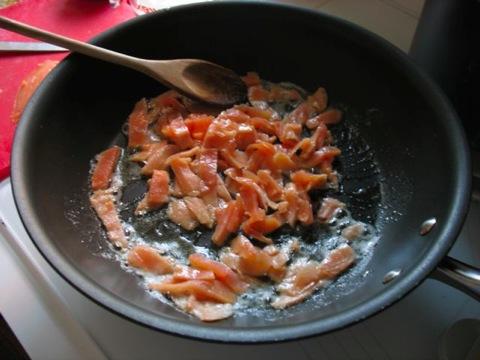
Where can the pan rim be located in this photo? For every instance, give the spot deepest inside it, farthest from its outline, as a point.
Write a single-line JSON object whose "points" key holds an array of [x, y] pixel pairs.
{"points": [[389, 296]]}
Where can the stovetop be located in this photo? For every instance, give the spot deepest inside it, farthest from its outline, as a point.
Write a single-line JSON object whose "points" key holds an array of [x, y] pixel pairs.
{"points": [[54, 321]]}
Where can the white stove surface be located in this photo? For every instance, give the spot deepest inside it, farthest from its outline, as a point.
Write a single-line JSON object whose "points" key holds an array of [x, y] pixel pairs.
{"points": [[52, 320]]}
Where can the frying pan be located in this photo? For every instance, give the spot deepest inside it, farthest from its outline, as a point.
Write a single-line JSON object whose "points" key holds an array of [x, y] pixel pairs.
{"points": [[401, 140]]}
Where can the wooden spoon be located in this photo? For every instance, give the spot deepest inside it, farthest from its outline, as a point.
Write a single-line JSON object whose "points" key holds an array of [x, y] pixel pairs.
{"points": [[195, 78]]}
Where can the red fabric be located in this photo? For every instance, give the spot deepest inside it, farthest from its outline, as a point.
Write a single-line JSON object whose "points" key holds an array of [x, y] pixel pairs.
{"points": [[79, 19]]}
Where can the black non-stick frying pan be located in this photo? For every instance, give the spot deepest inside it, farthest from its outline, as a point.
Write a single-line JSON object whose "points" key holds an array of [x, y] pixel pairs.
{"points": [[402, 144]]}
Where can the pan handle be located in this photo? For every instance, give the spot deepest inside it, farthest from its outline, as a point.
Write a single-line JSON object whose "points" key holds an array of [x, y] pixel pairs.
{"points": [[462, 276]]}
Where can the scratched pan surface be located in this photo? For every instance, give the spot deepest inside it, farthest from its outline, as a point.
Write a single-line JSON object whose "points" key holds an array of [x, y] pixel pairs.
{"points": [[404, 156]]}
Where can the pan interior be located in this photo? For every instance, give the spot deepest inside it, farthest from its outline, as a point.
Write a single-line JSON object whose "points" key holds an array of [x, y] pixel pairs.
{"points": [[404, 131]]}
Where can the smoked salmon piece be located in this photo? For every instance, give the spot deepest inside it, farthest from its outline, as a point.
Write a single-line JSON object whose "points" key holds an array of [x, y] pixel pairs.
{"points": [[228, 221], [253, 261], [158, 189], [179, 213], [103, 202], [157, 194], [198, 124], [282, 94], [304, 277], [199, 209], [202, 290], [185, 273], [251, 79], [148, 259], [306, 181], [258, 93], [28, 87], [222, 272], [301, 114], [299, 206], [207, 166], [204, 310], [245, 136], [221, 134], [138, 125], [157, 160], [329, 117], [318, 100], [105, 167], [145, 151], [190, 184], [323, 156], [178, 132], [328, 208], [353, 231], [260, 224]]}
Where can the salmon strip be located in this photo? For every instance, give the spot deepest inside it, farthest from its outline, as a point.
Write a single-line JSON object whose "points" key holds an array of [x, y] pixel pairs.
{"points": [[28, 86], [221, 134], [148, 259], [325, 155], [306, 181], [337, 261], [301, 114], [253, 261], [272, 187], [146, 150], [222, 190], [252, 111], [303, 278], [283, 162], [207, 167], [258, 93], [328, 208], [158, 189], [138, 125], [185, 273], [179, 213], [299, 206], [245, 136], [234, 158], [288, 133], [250, 199], [228, 221], [251, 78], [260, 225], [204, 310], [103, 202], [198, 124], [282, 94], [178, 132], [221, 271], [158, 159], [320, 136], [318, 100], [263, 125], [329, 117], [353, 231], [203, 290], [198, 208], [187, 154], [189, 183], [106, 164], [157, 194]]}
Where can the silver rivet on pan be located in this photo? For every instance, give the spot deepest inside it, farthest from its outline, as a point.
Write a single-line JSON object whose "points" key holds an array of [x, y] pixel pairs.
{"points": [[427, 226], [391, 275]]}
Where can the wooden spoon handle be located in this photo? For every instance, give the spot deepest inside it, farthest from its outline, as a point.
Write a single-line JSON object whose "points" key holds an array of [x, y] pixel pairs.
{"points": [[74, 45]]}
